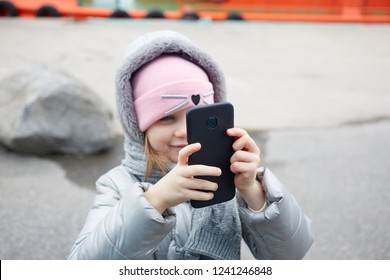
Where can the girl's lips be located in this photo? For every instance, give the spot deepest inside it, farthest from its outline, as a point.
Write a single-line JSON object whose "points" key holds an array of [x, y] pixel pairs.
{"points": [[179, 147]]}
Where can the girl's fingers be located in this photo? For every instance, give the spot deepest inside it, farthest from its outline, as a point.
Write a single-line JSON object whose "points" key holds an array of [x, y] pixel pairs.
{"points": [[197, 189], [195, 170], [244, 168], [201, 170], [243, 140], [245, 156], [199, 195], [186, 152], [236, 132], [202, 185], [246, 143]]}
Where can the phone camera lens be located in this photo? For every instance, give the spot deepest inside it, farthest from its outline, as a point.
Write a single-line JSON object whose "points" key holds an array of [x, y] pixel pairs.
{"points": [[212, 122]]}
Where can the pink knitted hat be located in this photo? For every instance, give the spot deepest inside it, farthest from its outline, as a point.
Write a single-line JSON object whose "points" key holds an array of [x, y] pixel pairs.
{"points": [[166, 85]]}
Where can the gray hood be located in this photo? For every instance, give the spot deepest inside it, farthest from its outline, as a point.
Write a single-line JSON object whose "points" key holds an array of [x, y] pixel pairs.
{"points": [[146, 48]]}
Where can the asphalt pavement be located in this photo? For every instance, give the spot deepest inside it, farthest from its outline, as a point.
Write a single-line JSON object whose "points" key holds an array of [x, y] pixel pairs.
{"points": [[315, 97]]}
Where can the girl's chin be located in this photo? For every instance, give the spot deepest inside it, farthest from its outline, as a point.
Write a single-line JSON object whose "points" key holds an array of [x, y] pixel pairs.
{"points": [[174, 157]]}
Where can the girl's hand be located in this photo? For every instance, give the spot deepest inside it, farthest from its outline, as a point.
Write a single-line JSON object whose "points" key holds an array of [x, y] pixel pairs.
{"points": [[179, 185], [244, 164]]}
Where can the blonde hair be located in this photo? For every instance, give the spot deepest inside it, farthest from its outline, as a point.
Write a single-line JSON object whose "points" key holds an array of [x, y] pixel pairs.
{"points": [[154, 160]]}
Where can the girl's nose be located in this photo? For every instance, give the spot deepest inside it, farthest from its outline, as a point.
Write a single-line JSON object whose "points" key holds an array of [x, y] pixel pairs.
{"points": [[181, 129]]}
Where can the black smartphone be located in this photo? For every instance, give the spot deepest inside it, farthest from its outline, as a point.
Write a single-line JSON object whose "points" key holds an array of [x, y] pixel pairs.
{"points": [[207, 125]]}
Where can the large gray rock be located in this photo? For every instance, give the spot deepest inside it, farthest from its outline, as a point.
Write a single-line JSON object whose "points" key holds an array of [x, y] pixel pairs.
{"points": [[44, 111]]}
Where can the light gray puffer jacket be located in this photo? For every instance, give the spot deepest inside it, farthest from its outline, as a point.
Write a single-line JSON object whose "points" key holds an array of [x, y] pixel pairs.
{"points": [[122, 224]]}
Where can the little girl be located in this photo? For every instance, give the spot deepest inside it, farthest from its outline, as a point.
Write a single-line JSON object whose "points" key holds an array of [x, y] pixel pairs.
{"points": [[142, 209]]}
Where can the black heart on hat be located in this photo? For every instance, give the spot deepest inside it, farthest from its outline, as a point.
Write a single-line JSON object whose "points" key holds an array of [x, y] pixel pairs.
{"points": [[195, 99]]}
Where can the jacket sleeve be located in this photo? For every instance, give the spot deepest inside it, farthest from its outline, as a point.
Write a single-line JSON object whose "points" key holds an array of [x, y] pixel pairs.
{"points": [[121, 223], [281, 230]]}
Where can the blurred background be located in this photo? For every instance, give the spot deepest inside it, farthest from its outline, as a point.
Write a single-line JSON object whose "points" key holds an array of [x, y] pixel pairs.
{"points": [[309, 80]]}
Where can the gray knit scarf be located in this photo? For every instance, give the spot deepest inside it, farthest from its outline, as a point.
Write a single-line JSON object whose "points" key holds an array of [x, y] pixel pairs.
{"points": [[215, 230]]}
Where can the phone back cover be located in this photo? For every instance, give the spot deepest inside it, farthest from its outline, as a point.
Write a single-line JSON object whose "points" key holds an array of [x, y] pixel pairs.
{"points": [[216, 146]]}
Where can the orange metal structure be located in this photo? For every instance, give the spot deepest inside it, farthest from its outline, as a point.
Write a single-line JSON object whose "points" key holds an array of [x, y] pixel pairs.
{"points": [[66, 8], [352, 11]]}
